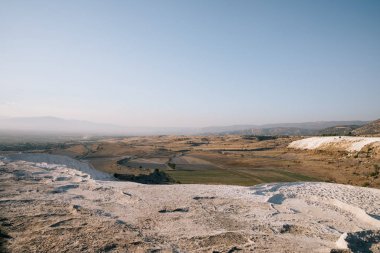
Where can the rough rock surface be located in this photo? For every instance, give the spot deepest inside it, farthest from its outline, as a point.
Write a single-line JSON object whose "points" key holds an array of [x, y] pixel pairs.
{"points": [[55, 208], [337, 143]]}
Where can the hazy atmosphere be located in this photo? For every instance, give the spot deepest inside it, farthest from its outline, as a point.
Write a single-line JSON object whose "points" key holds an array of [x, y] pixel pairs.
{"points": [[190, 63]]}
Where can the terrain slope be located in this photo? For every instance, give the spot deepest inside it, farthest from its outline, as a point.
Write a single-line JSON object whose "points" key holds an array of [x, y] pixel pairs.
{"points": [[371, 129]]}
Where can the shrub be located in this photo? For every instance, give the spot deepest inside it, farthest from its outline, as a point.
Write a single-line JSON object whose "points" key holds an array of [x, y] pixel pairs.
{"points": [[376, 171], [366, 184], [156, 177]]}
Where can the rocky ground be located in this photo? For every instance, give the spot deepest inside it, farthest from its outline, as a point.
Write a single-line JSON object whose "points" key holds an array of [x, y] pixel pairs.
{"points": [[49, 207], [337, 143]]}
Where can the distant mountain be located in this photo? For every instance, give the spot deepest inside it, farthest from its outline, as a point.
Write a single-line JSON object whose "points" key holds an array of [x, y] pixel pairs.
{"points": [[226, 129], [53, 125], [317, 125], [372, 128], [56, 125], [275, 131], [306, 128]]}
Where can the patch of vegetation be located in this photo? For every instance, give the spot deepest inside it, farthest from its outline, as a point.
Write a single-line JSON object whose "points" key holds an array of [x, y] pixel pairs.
{"points": [[123, 161], [366, 184], [196, 143], [331, 179], [244, 177], [4, 237], [259, 137], [376, 171], [265, 137], [157, 177], [171, 165], [180, 210], [249, 137]]}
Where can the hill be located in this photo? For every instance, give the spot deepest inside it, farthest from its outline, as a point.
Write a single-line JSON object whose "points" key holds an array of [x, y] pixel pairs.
{"points": [[372, 128], [338, 130], [275, 131], [293, 129]]}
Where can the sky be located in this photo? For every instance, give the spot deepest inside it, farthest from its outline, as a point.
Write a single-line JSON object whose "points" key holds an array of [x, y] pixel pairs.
{"points": [[190, 63]]}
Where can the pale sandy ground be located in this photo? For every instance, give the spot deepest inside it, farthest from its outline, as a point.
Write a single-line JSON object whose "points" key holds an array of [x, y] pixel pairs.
{"points": [[55, 208], [338, 143]]}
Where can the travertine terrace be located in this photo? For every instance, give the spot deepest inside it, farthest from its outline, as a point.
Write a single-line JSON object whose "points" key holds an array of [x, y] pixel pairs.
{"points": [[49, 207]]}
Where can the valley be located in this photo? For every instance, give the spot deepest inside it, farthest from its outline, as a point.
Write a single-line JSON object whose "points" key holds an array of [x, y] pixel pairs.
{"points": [[228, 159]]}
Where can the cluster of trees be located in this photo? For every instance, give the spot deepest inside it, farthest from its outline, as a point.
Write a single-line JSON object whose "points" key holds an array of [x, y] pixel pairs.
{"points": [[156, 177]]}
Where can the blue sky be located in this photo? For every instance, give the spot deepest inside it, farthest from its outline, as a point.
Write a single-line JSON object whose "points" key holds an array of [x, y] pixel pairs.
{"points": [[190, 63]]}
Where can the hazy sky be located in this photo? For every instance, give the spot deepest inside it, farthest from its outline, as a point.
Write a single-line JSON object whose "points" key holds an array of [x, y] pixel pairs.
{"points": [[190, 63]]}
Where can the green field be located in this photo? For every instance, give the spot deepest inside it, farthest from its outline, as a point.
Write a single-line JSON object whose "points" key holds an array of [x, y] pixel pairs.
{"points": [[245, 177]]}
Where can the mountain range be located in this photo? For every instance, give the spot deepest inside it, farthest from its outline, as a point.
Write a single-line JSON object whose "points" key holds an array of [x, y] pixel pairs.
{"points": [[54, 125]]}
